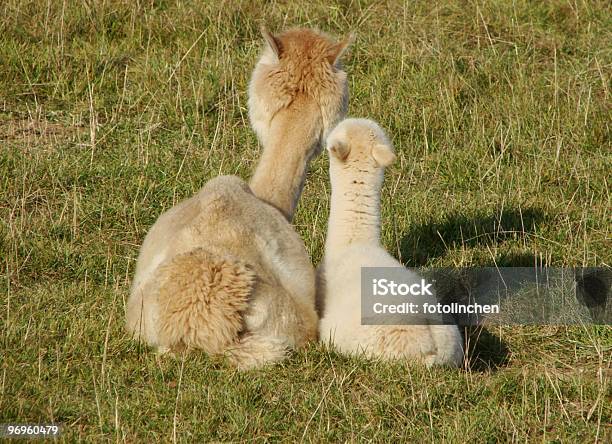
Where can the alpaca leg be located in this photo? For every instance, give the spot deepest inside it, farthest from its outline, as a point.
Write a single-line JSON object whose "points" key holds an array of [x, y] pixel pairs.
{"points": [[142, 313], [256, 350], [275, 324], [449, 347], [407, 341]]}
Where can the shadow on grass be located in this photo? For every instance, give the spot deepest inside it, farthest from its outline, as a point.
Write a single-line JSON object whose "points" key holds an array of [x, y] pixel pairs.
{"points": [[431, 240], [484, 350], [594, 291]]}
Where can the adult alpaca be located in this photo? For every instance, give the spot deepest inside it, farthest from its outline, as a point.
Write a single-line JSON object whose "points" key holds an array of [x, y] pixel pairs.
{"points": [[224, 271]]}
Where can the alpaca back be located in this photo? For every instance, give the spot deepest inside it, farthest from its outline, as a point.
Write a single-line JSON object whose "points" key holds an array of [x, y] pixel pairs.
{"points": [[342, 276], [227, 234]]}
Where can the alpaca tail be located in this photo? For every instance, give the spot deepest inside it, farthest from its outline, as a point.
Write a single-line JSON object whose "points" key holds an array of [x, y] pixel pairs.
{"points": [[202, 297], [254, 350]]}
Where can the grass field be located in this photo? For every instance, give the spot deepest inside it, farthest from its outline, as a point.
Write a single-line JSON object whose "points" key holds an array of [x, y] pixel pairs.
{"points": [[113, 111]]}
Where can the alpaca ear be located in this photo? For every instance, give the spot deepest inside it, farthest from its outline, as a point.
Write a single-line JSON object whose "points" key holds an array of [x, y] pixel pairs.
{"points": [[335, 52], [383, 155], [273, 42], [339, 150]]}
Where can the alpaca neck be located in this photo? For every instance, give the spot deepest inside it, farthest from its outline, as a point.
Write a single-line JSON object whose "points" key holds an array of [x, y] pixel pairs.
{"points": [[280, 173], [354, 214]]}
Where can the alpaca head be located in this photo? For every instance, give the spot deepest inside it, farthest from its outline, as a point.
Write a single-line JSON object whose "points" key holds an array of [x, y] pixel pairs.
{"points": [[299, 80], [359, 150]]}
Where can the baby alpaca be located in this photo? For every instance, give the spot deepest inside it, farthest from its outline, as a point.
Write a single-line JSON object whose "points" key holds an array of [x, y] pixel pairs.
{"points": [[224, 271], [359, 151]]}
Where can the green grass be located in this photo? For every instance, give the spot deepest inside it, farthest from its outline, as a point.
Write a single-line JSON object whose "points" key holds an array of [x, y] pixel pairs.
{"points": [[111, 113]]}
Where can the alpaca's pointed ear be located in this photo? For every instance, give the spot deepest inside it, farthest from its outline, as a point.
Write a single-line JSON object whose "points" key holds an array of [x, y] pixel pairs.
{"points": [[383, 155], [273, 42], [339, 150], [335, 52]]}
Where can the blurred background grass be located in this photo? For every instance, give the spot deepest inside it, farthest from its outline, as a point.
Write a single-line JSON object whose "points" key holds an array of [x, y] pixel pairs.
{"points": [[113, 111]]}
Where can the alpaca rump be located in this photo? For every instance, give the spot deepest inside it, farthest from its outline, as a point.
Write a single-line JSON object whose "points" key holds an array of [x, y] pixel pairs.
{"points": [[359, 151], [224, 271], [201, 299]]}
